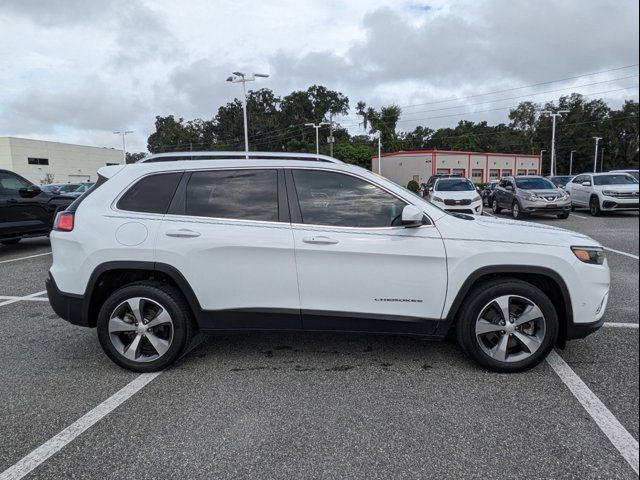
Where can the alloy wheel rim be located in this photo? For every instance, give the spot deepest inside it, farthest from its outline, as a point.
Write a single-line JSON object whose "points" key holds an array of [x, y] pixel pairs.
{"points": [[141, 329], [510, 328], [516, 210]]}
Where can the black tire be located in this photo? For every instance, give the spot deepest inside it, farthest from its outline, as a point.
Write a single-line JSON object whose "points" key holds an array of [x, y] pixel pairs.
{"points": [[476, 301], [573, 208], [594, 207], [10, 242], [516, 211], [563, 215], [495, 207], [178, 309]]}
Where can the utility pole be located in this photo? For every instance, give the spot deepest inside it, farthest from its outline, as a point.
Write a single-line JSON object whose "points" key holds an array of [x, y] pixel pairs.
{"points": [[123, 134], [571, 162], [595, 156], [317, 127], [553, 136], [602, 159], [241, 77], [541, 152], [331, 139], [379, 153]]}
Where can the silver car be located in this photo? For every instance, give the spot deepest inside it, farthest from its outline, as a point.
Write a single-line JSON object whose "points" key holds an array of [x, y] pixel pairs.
{"points": [[528, 194]]}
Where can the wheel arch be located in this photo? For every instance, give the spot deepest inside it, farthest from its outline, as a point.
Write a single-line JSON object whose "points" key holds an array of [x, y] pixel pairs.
{"points": [[546, 279], [109, 276]]}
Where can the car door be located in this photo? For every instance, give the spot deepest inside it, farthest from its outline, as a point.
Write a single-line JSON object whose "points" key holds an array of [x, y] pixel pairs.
{"points": [[500, 193], [228, 233], [18, 214], [579, 193], [358, 270]]}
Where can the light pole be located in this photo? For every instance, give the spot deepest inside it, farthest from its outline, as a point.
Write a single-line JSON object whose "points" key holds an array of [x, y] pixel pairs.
{"points": [[541, 152], [243, 78], [123, 134], [571, 162], [379, 137], [317, 127], [553, 136], [602, 159], [595, 156]]}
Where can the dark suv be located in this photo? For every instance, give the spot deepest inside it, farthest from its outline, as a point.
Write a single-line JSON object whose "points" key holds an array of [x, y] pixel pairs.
{"points": [[530, 194], [25, 210]]}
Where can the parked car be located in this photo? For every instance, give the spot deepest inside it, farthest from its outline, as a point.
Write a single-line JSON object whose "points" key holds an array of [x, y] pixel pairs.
{"points": [[561, 180], [604, 192], [631, 171], [84, 187], [434, 178], [61, 188], [528, 194], [487, 193], [25, 210], [160, 249], [456, 195]]}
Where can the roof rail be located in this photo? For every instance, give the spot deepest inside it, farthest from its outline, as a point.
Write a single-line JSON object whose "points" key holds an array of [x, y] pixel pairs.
{"points": [[175, 156]]}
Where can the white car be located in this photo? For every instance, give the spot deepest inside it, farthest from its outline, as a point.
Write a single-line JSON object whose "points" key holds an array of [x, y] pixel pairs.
{"points": [[634, 172], [458, 195], [160, 249], [604, 192]]}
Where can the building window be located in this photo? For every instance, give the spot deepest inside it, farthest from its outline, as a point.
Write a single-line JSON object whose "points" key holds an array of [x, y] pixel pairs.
{"points": [[443, 171], [506, 172], [522, 171], [476, 175], [459, 171], [112, 164], [494, 174], [38, 161], [533, 172]]}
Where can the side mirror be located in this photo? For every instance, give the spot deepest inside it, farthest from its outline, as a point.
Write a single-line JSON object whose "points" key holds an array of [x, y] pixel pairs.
{"points": [[586, 184], [412, 216], [30, 191]]}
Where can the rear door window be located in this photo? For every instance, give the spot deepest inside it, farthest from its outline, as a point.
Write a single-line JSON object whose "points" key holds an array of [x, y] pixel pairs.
{"points": [[151, 194], [242, 194]]}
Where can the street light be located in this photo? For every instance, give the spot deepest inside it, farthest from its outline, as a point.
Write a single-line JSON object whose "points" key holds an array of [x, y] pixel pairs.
{"points": [[379, 137], [595, 156], [317, 127], [541, 152], [123, 134], [571, 162], [240, 77], [553, 136]]}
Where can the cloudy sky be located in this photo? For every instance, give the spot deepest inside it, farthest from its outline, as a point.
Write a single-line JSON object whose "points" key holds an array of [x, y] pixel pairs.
{"points": [[76, 70]]}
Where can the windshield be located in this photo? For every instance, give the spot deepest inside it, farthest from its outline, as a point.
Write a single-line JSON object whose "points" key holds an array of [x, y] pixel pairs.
{"points": [[454, 185], [614, 179], [561, 181], [49, 188], [534, 183]]}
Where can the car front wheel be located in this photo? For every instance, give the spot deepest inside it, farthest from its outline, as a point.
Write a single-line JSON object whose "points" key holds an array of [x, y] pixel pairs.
{"points": [[517, 211], [507, 325], [495, 208], [594, 207], [145, 326]]}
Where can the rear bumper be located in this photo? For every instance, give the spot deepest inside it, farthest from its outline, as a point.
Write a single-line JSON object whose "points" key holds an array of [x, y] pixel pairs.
{"points": [[68, 307]]}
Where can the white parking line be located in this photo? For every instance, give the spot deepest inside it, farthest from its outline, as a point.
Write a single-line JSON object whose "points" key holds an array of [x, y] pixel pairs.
{"points": [[56, 443], [19, 299], [574, 215], [24, 258], [608, 423], [622, 253], [621, 325]]}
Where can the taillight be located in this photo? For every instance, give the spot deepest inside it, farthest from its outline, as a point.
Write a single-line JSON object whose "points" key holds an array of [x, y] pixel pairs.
{"points": [[63, 222]]}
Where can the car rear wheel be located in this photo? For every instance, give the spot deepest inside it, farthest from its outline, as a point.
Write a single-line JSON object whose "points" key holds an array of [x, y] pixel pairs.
{"points": [[507, 325], [145, 326], [594, 207], [495, 207]]}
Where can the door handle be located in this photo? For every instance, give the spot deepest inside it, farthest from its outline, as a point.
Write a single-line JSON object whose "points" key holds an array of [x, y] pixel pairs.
{"points": [[182, 233], [320, 240]]}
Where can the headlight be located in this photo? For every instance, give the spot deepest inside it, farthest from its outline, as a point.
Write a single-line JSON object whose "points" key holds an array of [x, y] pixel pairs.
{"points": [[609, 193], [476, 198], [438, 199], [530, 196], [593, 255]]}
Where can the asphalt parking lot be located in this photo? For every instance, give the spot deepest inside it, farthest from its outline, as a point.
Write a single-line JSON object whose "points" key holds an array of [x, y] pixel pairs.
{"points": [[316, 405]]}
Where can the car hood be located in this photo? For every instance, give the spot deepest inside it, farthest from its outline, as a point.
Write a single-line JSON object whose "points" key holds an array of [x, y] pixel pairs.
{"points": [[493, 229], [544, 193], [469, 194], [618, 188]]}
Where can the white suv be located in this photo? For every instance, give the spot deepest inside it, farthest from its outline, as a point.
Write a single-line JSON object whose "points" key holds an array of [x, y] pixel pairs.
{"points": [[163, 248], [604, 192], [456, 195]]}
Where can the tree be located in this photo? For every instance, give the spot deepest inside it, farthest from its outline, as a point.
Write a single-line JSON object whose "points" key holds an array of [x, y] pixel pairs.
{"points": [[134, 157], [413, 186]]}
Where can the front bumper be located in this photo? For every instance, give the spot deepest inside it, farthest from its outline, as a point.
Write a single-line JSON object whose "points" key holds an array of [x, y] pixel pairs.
{"points": [[475, 208], [542, 206], [613, 203], [68, 307]]}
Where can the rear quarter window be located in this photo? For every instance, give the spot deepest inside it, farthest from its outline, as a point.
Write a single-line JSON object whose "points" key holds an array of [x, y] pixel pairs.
{"points": [[151, 194]]}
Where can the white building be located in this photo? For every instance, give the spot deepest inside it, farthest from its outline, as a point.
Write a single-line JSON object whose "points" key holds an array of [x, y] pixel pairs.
{"points": [[404, 166], [65, 162]]}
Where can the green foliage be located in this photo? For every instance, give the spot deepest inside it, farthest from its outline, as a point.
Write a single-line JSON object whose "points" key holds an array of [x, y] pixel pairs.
{"points": [[413, 186], [278, 124], [134, 157]]}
